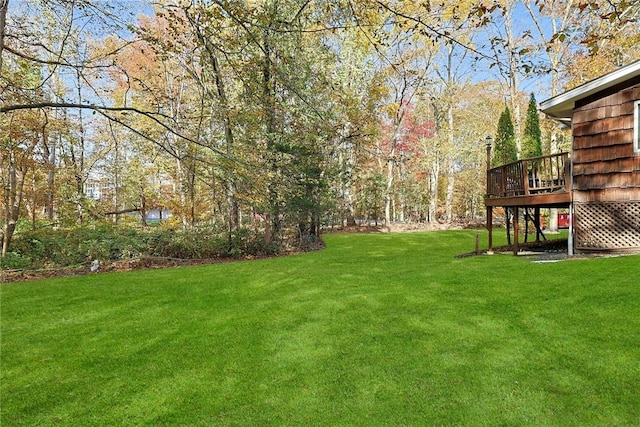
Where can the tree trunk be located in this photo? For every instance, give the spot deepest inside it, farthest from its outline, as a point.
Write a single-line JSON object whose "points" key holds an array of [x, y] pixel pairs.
{"points": [[116, 180], [433, 190], [402, 215], [272, 233], [451, 177], [180, 184], [34, 201], [513, 75], [4, 5], [553, 220], [143, 208], [51, 176], [192, 194], [388, 193], [220, 94], [345, 159], [232, 203], [49, 158], [451, 180], [13, 200]]}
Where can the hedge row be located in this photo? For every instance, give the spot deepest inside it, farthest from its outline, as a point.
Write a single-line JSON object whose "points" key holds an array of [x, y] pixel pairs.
{"points": [[71, 247]]}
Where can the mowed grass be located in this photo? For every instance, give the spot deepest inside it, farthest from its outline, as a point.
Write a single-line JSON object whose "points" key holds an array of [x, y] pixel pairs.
{"points": [[377, 329]]}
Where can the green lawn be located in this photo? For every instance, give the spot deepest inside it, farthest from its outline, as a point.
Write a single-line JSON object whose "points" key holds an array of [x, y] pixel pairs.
{"points": [[377, 329]]}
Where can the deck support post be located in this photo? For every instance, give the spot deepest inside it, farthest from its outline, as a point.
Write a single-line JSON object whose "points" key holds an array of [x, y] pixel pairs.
{"points": [[516, 227], [490, 228], [507, 220], [570, 249], [536, 221]]}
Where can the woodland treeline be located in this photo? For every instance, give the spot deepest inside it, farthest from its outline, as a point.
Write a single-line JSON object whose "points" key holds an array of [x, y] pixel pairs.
{"points": [[278, 116]]}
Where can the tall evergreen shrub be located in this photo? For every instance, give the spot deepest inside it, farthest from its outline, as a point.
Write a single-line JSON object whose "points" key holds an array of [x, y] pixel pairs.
{"points": [[505, 150], [532, 141]]}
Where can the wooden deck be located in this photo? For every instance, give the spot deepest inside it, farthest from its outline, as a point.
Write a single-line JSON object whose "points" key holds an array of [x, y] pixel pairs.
{"points": [[536, 182], [543, 181]]}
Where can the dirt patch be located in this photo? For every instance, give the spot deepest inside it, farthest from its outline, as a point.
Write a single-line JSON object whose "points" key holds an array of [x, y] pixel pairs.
{"points": [[556, 247], [547, 251], [8, 276]]}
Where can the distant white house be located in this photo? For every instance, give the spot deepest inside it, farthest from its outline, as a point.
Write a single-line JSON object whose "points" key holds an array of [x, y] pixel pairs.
{"points": [[100, 188], [158, 215]]}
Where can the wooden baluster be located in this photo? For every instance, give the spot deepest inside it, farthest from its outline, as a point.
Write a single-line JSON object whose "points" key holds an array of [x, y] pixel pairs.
{"points": [[567, 172], [525, 176]]}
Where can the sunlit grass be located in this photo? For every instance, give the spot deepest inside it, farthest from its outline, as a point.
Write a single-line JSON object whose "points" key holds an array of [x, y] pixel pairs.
{"points": [[381, 329]]}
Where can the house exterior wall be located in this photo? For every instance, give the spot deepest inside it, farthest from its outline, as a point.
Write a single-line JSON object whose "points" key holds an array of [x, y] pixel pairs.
{"points": [[606, 170]]}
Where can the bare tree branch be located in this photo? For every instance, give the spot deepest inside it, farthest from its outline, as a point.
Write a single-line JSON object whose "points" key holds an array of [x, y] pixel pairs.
{"points": [[103, 109], [435, 31]]}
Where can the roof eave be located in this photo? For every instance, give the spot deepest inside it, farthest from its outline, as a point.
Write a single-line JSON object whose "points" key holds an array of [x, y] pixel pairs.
{"points": [[561, 107]]}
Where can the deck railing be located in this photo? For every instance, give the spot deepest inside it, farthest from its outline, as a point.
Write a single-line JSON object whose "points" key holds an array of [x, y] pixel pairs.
{"points": [[526, 177]]}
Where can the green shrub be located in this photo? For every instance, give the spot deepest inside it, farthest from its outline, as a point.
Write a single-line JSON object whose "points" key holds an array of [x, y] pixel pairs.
{"points": [[48, 247], [248, 242], [15, 261]]}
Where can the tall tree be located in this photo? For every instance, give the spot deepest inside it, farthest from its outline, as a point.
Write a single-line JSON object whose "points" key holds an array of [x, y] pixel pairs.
{"points": [[507, 42], [532, 139], [505, 143], [359, 91], [17, 148], [4, 6], [22, 133]]}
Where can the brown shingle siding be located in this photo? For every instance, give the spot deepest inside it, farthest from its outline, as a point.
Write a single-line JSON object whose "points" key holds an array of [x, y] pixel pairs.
{"points": [[590, 115], [617, 123], [610, 194], [628, 95], [619, 165], [603, 156], [616, 137], [614, 145], [606, 181], [624, 109]]}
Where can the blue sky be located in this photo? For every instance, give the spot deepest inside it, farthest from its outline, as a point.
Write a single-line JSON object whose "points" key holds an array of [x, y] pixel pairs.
{"points": [[128, 10]]}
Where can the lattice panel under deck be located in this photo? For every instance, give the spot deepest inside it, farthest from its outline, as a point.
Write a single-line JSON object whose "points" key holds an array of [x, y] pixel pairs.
{"points": [[607, 225]]}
